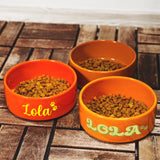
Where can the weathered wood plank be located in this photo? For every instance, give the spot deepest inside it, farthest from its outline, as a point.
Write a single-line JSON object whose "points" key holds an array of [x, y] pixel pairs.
{"points": [[87, 33], [34, 144], [40, 53], [126, 35], [107, 33], [2, 101], [44, 43], [156, 129], [84, 154], [158, 110], [148, 148], [61, 55], [10, 33], [70, 120], [6, 117], [80, 139], [158, 94], [149, 30], [9, 140], [3, 54], [48, 34], [152, 39], [17, 55], [51, 26], [2, 23], [148, 69], [149, 48]]}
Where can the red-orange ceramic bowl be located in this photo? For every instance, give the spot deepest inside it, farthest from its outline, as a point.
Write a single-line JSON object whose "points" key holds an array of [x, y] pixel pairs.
{"points": [[110, 50], [119, 130], [40, 108]]}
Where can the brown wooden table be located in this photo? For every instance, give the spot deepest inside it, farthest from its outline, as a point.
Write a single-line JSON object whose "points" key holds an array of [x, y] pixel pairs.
{"points": [[63, 138]]}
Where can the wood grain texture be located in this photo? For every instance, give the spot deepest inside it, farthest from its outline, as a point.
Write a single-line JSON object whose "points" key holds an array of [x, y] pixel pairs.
{"points": [[40, 53], [86, 33], [148, 148], [149, 30], [48, 34], [158, 110], [52, 26], [61, 55], [149, 48], [10, 33], [84, 154], [152, 39], [6, 117], [80, 139], [9, 140], [2, 23], [107, 32], [156, 129], [126, 35], [3, 54], [17, 55], [158, 94], [44, 43], [148, 69], [34, 144]]}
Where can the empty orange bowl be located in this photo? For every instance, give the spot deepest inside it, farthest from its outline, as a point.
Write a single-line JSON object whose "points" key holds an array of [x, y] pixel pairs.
{"points": [[109, 50], [119, 130], [40, 108]]}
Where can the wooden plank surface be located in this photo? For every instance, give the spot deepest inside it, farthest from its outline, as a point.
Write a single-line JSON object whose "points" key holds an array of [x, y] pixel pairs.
{"points": [[51, 26], [10, 137], [61, 55], [149, 148], [3, 54], [34, 144], [126, 35], [80, 139], [6, 117], [17, 55], [152, 39], [10, 33], [148, 69], [48, 34], [2, 23], [107, 32], [85, 154], [44, 43], [40, 53], [86, 33], [149, 30], [149, 48]]}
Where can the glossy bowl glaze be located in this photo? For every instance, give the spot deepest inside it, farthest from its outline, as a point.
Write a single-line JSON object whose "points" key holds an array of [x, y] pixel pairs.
{"points": [[119, 130], [40, 108], [110, 50]]}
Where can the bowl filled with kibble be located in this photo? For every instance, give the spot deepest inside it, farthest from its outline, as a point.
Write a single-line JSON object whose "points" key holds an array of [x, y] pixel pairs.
{"points": [[40, 89], [117, 109], [101, 58]]}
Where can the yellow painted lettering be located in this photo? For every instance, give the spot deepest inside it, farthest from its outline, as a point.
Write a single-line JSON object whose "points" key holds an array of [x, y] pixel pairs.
{"points": [[33, 112], [26, 109]]}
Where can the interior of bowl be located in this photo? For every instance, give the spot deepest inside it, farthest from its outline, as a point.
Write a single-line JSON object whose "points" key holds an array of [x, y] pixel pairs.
{"points": [[128, 87], [31, 69], [110, 50]]}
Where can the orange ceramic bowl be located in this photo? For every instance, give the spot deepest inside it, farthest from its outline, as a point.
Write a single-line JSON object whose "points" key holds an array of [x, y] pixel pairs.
{"points": [[117, 130], [40, 108], [110, 50]]}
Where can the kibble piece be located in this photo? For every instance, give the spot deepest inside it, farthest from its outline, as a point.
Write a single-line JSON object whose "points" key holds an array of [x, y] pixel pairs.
{"points": [[42, 86], [116, 106], [100, 64]]}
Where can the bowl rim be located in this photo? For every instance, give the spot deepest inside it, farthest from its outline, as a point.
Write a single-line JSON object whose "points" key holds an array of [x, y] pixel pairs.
{"points": [[107, 41], [118, 119], [39, 60]]}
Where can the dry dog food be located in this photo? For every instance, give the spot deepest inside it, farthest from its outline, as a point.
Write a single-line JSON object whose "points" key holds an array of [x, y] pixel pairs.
{"points": [[42, 86], [100, 64], [116, 106]]}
